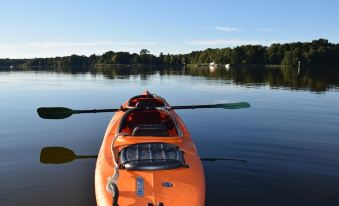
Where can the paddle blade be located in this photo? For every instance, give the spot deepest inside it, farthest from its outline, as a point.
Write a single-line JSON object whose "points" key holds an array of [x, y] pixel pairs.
{"points": [[56, 155], [54, 112], [237, 105]]}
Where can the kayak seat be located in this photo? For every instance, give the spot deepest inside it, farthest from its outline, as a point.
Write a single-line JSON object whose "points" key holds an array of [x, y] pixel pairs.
{"points": [[151, 100], [156, 130], [146, 117], [148, 122], [151, 156], [147, 103]]}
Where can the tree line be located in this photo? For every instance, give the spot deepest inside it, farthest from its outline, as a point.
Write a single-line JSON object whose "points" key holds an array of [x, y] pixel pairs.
{"points": [[316, 53]]}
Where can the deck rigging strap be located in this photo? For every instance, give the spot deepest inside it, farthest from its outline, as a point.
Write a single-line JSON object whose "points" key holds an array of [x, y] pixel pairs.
{"points": [[112, 180]]}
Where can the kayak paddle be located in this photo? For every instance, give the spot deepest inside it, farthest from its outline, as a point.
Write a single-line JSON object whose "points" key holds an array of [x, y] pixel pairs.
{"points": [[236, 105], [59, 155], [63, 112]]}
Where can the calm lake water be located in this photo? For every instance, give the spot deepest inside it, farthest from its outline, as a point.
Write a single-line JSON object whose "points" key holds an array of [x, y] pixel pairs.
{"points": [[290, 135]]}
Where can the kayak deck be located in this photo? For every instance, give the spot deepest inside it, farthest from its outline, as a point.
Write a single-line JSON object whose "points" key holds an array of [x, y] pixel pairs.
{"points": [[159, 164]]}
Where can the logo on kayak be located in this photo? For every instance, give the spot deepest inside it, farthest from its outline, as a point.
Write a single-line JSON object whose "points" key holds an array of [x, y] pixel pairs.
{"points": [[140, 187], [167, 184]]}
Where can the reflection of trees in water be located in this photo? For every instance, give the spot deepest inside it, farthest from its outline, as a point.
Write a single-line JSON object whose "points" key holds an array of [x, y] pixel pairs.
{"points": [[74, 70], [66, 70], [317, 80], [308, 79], [125, 72]]}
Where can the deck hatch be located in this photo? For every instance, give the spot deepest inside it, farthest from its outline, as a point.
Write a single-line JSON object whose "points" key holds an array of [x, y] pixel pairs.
{"points": [[151, 156]]}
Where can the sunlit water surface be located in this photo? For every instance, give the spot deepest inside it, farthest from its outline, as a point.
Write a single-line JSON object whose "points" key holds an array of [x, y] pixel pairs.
{"points": [[290, 135]]}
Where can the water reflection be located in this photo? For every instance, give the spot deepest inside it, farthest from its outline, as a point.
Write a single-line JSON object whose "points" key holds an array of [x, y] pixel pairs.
{"points": [[306, 79], [315, 80], [289, 138]]}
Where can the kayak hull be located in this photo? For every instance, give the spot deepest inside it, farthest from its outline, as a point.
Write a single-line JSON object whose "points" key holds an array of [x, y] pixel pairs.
{"points": [[172, 187]]}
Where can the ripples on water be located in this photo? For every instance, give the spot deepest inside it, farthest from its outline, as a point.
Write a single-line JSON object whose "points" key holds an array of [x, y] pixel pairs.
{"points": [[289, 135]]}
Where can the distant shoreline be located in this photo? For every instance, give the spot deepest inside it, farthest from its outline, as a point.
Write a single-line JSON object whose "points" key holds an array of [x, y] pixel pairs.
{"points": [[202, 65], [310, 54]]}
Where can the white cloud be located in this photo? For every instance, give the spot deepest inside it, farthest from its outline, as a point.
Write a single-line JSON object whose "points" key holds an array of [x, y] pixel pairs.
{"points": [[226, 29], [223, 42]]}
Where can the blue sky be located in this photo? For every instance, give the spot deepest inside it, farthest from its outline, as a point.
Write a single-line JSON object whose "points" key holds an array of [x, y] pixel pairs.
{"points": [[46, 28]]}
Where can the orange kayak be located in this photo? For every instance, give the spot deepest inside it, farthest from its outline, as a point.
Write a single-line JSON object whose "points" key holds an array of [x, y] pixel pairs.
{"points": [[148, 155]]}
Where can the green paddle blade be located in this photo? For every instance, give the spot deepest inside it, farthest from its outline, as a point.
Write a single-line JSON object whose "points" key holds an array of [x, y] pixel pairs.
{"points": [[56, 155], [237, 105], [54, 112]]}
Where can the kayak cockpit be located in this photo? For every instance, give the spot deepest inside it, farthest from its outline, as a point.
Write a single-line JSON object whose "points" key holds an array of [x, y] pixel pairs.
{"points": [[146, 100], [154, 122], [151, 156]]}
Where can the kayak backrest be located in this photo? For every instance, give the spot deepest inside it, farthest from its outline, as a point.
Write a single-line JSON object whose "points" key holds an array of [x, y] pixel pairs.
{"points": [[144, 117], [151, 156], [145, 101], [148, 122], [156, 130]]}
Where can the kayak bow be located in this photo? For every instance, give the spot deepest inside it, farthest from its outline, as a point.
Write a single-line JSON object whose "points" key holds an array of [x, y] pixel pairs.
{"points": [[147, 158]]}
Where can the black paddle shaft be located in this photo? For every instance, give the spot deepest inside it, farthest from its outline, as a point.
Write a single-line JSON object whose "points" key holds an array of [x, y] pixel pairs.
{"points": [[192, 107], [94, 111]]}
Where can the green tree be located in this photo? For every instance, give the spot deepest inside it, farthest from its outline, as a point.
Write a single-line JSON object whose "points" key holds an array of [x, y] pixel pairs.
{"points": [[144, 52]]}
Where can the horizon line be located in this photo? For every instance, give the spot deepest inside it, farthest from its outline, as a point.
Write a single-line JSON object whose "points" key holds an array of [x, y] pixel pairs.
{"points": [[238, 43]]}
